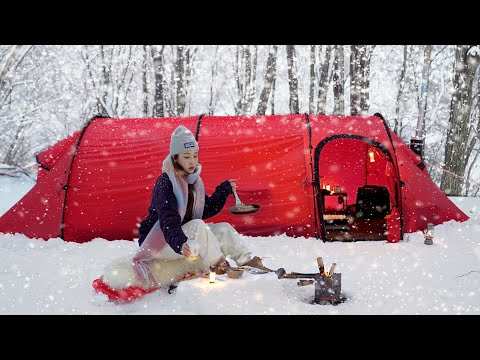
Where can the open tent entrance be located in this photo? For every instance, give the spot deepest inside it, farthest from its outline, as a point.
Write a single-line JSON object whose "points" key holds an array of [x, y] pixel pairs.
{"points": [[357, 188]]}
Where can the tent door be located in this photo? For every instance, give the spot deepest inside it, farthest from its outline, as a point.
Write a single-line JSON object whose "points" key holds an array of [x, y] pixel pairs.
{"points": [[354, 199]]}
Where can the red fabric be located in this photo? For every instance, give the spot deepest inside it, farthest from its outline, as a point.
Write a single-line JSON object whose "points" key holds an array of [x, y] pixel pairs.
{"points": [[51, 156], [259, 152], [393, 226], [117, 164], [118, 160], [39, 213], [127, 294], [343, 164], [422, 201]]}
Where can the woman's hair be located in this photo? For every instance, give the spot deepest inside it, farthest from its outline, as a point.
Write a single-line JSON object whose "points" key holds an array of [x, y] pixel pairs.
{"points": [[175, 162]]}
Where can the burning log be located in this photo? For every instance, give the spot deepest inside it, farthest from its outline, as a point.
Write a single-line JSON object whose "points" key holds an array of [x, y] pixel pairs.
{"points": [[332, 269], [321, 266], [328, 286]]}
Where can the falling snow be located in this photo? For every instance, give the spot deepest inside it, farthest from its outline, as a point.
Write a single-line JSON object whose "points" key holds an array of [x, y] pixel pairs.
{"points": [[409, 277]]}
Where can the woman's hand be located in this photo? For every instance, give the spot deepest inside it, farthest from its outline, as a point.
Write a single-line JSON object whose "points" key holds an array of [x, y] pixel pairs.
{"points": [[190, 248], [185, 250]]}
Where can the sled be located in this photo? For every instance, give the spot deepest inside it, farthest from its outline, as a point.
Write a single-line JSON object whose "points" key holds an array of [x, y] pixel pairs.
{"points": [[127, 294], [131, 293]]}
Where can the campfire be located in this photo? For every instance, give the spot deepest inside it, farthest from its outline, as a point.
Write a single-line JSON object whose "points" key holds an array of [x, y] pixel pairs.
{"points": [[328, 285]]}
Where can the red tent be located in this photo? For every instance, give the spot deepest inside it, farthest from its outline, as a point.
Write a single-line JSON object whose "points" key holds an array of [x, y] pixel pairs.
{"points": [[98, 181]]}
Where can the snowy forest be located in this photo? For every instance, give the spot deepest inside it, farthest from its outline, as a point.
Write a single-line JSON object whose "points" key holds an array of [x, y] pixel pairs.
{"points": [[426, 92]]}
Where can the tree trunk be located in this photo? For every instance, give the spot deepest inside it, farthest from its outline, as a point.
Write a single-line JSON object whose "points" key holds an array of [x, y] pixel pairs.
{"points": [[274, 81], [339, 81], [189, 55], [469, 173], [355, 80], [251, 80], [146, 51], [360, 57], [422, 103], [122, 86], [157, 55], [270, 73], [474, 130], [213, 81], [238, 78], [100, 106], [365, 93], [397, 128], [324, 82], [179, 74], [245, 70], [254, 80], [104, 84], [311, 93], [465, 66], [292, 80]]}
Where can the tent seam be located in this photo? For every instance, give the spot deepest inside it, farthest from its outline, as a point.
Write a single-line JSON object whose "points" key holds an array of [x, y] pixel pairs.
{"points": [[66, 186], [309, 128]]}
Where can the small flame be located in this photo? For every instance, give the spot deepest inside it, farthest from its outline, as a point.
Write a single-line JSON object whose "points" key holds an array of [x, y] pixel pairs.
{"points": [[371, 155]]}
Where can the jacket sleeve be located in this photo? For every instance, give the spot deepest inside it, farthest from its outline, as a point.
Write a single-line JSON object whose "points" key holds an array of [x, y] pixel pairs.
{"points": [[168, 216], [216, 202]]}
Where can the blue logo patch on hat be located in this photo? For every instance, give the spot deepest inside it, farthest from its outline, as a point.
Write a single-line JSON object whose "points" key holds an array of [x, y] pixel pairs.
{"points": [[189, 145]]}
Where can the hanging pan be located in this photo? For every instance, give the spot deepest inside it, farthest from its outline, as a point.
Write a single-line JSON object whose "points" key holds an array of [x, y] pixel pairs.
{"points": [[242, 209]]}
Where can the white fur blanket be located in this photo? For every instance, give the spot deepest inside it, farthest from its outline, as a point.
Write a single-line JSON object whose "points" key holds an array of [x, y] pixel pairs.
{"points": [[119, 274]]}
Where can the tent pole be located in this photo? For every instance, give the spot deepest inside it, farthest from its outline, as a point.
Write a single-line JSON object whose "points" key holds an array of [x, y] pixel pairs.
{"points": [[66, 186], [314, 181], [398, 194], [199, 122]]}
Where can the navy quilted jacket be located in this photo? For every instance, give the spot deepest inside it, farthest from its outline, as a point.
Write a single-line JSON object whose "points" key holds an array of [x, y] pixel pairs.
{"points": [[163, 207]]}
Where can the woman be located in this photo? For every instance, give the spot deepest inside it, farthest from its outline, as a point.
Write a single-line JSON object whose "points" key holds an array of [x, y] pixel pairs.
{"points": [[174, 225]]}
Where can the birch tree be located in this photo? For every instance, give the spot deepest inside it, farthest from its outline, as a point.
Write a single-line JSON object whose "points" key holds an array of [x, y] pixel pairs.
{"points": [[178, 72], [111, 73], [324, 81], [311, 92], [268, 81], [292, 80], [473, 144], [339, 81], [182, 66], [158, 71], [467, 60], [360, 56], [272, 101], [54, 90], [245, 68], [213, 96], [146, 56], [422, 103], [397, 127]]}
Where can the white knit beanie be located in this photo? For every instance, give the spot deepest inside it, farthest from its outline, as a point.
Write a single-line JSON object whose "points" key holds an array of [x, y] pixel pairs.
{"points": [[182, 141]]}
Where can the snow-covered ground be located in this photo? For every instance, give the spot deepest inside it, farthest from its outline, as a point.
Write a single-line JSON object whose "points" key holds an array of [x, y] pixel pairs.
{"points": [[409, 277]]}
